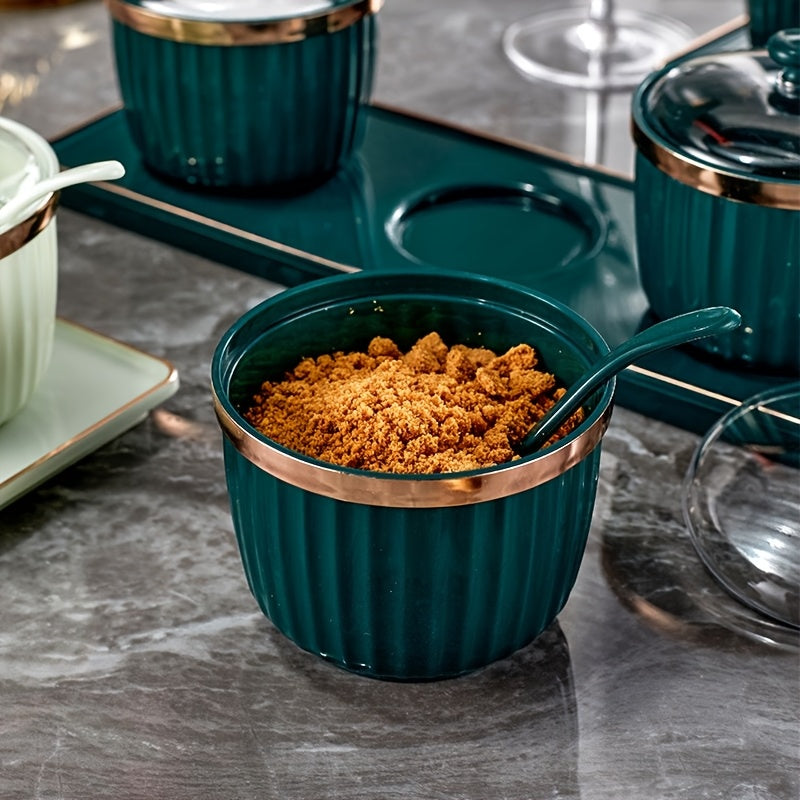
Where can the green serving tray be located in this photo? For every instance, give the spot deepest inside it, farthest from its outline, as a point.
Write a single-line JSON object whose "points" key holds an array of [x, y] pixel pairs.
{"points": [[425, 193]]}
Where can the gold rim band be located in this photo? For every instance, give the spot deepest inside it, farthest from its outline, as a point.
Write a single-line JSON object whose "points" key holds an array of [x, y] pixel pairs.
{"points": [[33, 5], [374, 489], [717, 182], [226, 34], [23, 232]]}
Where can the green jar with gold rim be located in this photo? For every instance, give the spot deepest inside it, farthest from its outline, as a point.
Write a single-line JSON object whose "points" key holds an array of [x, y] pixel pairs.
{"points": [[770, 16], [717, 197], [245, 95], [404, 576]]}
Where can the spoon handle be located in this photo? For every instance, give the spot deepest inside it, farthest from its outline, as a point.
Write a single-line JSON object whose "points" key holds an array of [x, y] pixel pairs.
{"points": [[669, 333], [96, 171]]}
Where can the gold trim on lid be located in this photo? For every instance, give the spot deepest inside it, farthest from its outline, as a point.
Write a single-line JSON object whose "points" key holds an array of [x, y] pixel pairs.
{"points": [[23, 232], [717, 182], [226, 34], [400, 491]]}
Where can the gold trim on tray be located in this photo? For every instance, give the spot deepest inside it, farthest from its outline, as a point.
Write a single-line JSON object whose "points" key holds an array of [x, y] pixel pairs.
{"points": [[710, 37], [78, 439], [401, 491], [226, 34], [759, 192], [23, 232]]}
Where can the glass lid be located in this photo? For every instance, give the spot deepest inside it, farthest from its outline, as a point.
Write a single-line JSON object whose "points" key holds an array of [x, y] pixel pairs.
{"points": [[735, 112], [242, 10]]}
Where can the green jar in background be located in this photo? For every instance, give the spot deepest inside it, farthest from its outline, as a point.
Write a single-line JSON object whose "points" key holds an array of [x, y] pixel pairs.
{"points": [[717, 197], [770, 16], [244, 95]]}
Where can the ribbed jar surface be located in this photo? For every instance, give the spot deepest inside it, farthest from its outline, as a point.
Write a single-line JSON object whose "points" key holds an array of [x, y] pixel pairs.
{"points": [[273, 114], [696, 249], [769, 16], [407, 593], [28, 284]]}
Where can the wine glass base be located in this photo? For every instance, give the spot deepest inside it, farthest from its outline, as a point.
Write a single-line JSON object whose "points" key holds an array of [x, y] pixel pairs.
{"points": [[568, 48]]}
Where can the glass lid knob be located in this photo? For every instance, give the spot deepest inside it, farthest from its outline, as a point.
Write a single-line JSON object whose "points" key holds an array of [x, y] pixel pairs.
{"points": [[784, 50]]}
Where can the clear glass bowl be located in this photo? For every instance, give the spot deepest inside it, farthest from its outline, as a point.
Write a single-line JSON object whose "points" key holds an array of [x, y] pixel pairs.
{"points": [[741, 503]]}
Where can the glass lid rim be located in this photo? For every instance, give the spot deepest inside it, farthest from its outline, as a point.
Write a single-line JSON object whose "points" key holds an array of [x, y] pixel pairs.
{"points": [[649, 136]]}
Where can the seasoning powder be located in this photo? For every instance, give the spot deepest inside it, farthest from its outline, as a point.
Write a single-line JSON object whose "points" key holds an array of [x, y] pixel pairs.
{"points": [[433, 409]]}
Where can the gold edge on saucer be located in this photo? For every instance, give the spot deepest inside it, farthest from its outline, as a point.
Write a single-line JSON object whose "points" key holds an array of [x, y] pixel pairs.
{"points": [[168, 365], [170, 378]]}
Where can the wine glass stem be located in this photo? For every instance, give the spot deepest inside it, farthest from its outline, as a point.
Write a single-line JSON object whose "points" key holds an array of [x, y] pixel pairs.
{"points": [[601, 12], [601, 17]]}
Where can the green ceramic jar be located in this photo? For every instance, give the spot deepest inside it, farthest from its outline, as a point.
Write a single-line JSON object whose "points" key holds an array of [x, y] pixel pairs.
{"points": [[717, 196], [770, 16], [407, 577], [245, 94]]}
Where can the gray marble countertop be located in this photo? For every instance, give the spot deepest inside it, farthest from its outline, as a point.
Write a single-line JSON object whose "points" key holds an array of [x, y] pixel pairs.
{"points": [[134, 663]]}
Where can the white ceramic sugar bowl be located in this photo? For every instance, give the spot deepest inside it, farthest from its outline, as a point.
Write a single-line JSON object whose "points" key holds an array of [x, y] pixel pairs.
{"points": [[28, 267]]}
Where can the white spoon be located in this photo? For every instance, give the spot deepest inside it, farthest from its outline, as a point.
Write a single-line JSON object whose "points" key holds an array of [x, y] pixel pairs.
{"points": [[96, 171]]}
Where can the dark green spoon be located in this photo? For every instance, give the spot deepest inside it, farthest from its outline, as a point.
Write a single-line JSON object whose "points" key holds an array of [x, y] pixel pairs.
{"points": [[669, 333]]}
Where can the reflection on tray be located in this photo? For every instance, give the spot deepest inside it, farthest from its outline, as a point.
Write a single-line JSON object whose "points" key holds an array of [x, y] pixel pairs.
{"points": [[409, 178], [433, 196]]}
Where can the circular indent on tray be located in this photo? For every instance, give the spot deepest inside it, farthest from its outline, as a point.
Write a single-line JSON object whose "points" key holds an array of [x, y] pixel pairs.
{"points": [[508, 231]]}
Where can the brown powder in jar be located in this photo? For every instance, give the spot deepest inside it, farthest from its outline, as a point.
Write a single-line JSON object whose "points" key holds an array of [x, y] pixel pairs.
{"points": [[433, 409]]}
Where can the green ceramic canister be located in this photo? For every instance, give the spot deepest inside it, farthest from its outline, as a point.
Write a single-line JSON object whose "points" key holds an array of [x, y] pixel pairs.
{"points": [[407, 577], [231, 94], [770, 16], [717, 196]]}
